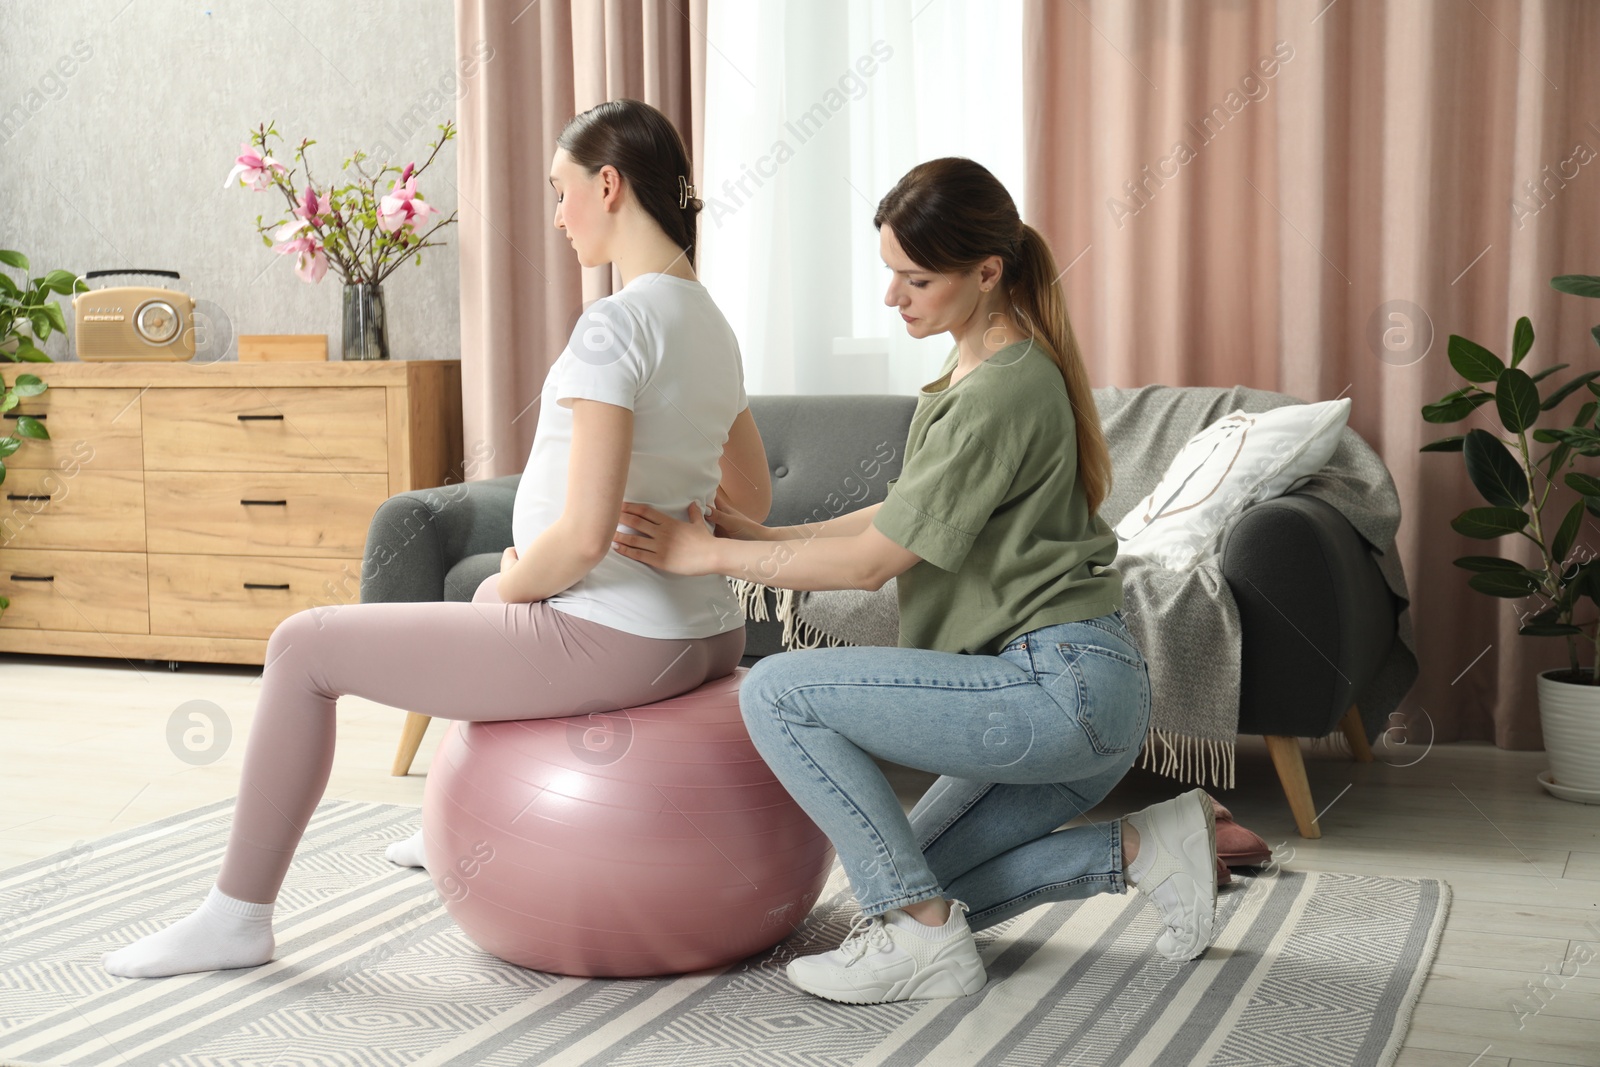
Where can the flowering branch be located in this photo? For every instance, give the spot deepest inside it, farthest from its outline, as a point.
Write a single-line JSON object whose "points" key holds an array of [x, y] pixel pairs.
{"points": [[353, 230]]}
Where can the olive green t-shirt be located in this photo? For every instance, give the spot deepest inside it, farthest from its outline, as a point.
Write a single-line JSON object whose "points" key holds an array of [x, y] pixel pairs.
{"points": [[988, 496]]}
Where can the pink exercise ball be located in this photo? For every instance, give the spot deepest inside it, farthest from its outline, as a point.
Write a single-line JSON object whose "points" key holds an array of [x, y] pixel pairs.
{"points": [[647, 841]]}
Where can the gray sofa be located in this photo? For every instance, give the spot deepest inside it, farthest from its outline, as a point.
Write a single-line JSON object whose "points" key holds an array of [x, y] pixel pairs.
{"points": [[1294, 559]]}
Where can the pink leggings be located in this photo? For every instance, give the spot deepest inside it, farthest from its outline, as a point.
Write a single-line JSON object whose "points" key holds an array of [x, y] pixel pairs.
{"points": [[480, 662]]}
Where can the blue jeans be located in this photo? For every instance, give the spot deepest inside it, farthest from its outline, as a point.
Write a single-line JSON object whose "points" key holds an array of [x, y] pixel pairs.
{"points": [[1023, 741]]}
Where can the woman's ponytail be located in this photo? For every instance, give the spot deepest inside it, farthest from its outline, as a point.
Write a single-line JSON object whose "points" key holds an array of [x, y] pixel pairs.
{"points": [[689, 209], [1041, 308]]}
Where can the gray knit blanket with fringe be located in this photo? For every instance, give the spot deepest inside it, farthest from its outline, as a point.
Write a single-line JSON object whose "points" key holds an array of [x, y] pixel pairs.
{"points": [[1186, 621]]}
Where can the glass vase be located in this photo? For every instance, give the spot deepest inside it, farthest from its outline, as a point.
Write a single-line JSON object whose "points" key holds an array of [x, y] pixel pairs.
{"points": [[365, 335]]}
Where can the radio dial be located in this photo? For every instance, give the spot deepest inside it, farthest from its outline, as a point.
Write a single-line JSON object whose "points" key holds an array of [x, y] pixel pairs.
{"points": [[157, 322]]}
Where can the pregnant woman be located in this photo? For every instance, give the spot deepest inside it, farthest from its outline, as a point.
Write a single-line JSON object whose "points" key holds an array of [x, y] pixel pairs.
{"points": [[1016, 678], [646, 402]]}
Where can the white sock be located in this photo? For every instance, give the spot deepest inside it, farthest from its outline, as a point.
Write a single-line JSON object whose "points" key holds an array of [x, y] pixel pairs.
{"points": [[408, 853], [222, 933], [1140, 866], [896, 917]]}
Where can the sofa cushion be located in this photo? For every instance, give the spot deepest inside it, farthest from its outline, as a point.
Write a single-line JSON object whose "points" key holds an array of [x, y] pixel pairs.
{"points": [[830, 455], [1240, 459]]}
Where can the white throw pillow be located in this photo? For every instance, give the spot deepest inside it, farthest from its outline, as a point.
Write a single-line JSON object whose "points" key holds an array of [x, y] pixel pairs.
{"points": [[1241, 459]]}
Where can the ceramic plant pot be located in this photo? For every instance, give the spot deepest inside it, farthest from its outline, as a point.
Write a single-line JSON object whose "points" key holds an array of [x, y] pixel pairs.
{"points": [[1570, 715]]}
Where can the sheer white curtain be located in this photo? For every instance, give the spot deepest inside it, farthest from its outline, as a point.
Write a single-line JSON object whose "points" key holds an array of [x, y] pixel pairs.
{"points": [[814, 108]]}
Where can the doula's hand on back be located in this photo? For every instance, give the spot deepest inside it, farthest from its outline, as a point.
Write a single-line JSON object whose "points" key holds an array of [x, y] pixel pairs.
{"points": [[730, 522]]}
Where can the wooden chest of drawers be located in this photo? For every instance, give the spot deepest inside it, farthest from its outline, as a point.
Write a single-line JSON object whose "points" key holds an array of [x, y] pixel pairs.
{"points": [[181, 512]]}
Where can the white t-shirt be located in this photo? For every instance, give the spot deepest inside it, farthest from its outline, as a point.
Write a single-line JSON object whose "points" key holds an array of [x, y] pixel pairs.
{"points": [[660, 347]]}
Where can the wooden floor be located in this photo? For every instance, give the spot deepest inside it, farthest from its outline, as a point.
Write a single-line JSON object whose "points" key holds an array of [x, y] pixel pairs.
{"points": [[84, 752]]}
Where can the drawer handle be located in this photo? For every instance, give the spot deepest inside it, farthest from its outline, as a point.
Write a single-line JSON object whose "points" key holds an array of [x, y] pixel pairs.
{"points": [[264, 585], [33, 578], [269, 503], [41, 418], [247, 418], [27, 496]]}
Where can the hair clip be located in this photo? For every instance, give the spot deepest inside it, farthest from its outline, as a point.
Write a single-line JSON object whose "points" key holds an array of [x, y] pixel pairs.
{"points": [[685, 192]]}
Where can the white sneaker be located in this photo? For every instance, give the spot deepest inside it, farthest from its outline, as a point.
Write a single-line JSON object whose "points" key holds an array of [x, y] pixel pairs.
{"points": [[1181, 874], [882, 961]]}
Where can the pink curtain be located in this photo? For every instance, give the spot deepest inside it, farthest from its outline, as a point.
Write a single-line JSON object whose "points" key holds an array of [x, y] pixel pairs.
{"points": [[538, 64], [1310, 197]]}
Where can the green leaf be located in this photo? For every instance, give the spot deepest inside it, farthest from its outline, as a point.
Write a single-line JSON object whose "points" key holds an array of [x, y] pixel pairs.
{"points": [[9, 287], [1521, 340], [1558, 459], [1586, 484], [1474, 362], [29, 385], [1485, 524], [1568, 531], [1542, 375], [1586, 442], [58, 320], [40, 322], [9, 401], [60, 281], [14, 259], [1494, 472], [1488, 563], [1548, 629], [1455, 407], [1504, 584], [8, 445], [1577, 284], [28, 353], [1587, 582], [1594, 331], [28, 426], [1444, 444], [1518, 400], [1567, 390]]}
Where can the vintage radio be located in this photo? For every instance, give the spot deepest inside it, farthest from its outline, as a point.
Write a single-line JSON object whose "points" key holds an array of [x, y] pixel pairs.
{"points": [[133, 322]]}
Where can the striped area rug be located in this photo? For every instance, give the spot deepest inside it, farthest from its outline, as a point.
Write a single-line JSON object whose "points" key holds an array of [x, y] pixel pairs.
{"points": [[1308, 969]]}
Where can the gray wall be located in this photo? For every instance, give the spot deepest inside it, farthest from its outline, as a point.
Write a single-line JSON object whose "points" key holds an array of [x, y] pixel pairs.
{"points": [[119, 121]]}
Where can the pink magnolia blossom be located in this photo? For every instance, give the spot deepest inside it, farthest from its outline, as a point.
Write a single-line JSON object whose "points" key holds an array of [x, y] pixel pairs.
{"points": [[403, 207], [252, 168], [310, 261], [311, 208]]}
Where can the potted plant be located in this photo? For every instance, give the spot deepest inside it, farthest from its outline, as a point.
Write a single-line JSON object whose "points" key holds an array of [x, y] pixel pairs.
{"points": [[27, 314], [1516, 486], [359, 233]]}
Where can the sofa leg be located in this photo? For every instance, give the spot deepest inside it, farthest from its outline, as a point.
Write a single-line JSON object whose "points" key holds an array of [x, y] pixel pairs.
{"points": [[410, 740], [1355, 732], [1292, 774]]}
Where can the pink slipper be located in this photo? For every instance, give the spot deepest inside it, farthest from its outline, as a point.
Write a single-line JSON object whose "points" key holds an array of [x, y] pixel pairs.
{"points": [[1238, 846]]}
